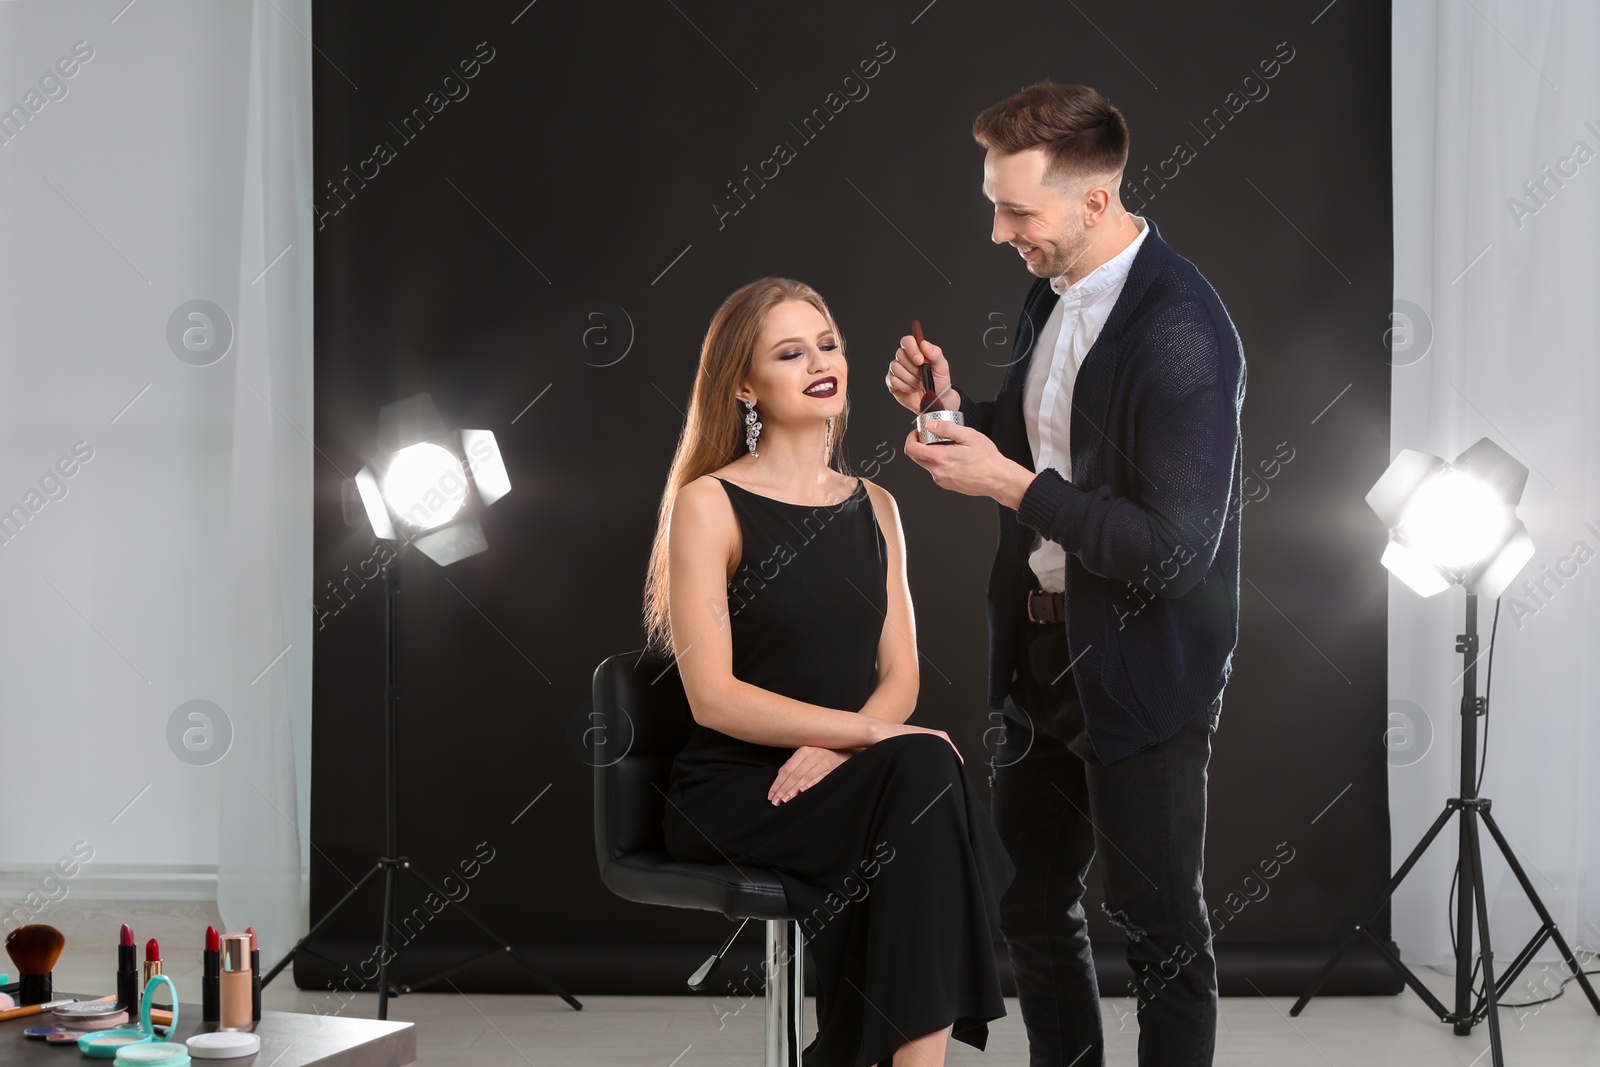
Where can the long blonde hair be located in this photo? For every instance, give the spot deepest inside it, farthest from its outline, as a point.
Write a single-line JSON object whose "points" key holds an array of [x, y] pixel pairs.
{"points": [[714, 431]]}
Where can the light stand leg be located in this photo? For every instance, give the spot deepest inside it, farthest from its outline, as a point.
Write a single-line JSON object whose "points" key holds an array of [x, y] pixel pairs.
{"points": [[492, 936], [1469, 819], [301, 944], [1471, 896], [1543, 913], [1365, 927], [392, 861]]}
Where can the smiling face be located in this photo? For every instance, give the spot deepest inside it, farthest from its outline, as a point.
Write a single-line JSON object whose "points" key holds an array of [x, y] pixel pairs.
{"points": [[1047, 226], [797, 350]]}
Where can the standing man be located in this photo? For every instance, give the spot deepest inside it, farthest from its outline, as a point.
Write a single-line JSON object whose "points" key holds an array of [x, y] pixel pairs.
{"points": [[1113, 452]]}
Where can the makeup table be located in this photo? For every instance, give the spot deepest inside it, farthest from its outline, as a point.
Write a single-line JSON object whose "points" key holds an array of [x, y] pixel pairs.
{"points": [[288, 1039]]}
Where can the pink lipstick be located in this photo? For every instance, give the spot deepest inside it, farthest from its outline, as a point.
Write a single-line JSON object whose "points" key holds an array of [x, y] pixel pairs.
{"points": [[127, 972]]}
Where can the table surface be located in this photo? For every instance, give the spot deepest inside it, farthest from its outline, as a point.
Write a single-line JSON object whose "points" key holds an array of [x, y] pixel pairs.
{"points": [[288, 1039]]}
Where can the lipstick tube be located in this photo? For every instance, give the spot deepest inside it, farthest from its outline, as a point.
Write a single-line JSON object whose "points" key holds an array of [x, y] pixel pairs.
{"points": [[234, 982], [211, 968], [128, 972], [151, 966]]}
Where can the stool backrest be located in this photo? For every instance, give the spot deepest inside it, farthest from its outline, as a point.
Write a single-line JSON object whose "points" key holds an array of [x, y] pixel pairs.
{"points": [[639, 722]]}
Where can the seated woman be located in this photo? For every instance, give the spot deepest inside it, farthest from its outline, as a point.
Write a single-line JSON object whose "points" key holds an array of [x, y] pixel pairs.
{"points": [[779, 585]]}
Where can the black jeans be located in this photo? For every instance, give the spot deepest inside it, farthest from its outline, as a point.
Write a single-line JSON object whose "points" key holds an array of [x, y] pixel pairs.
{"points": [[1056, 806]]}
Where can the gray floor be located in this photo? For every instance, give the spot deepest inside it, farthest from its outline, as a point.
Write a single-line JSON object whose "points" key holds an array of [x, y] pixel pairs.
{"points": [[472, 1030]]}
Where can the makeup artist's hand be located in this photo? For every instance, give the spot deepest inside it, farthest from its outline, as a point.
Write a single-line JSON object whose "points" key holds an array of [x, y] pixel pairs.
{"points": [[804, 769], [905, 375], [971, 464]]}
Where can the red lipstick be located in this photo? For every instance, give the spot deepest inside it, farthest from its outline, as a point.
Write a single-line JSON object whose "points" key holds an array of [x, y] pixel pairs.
{"points": [[211, 968], [152, 964]]}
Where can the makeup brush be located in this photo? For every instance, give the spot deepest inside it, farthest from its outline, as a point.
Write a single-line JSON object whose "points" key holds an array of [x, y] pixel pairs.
{"points": [[34, 948], [38, 1009], [930, 399]]}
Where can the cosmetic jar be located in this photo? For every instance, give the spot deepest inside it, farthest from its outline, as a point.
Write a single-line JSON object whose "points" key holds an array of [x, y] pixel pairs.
{"points": [[927, 425], [156, 1054], [223, 1045], [90, 1015]]}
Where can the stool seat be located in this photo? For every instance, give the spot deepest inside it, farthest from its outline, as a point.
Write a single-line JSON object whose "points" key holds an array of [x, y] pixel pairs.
{"points": [[639, 723], [649, 877]]}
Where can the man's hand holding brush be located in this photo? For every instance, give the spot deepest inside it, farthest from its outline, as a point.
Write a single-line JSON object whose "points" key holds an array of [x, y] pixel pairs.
{"points": [[919, 378]]}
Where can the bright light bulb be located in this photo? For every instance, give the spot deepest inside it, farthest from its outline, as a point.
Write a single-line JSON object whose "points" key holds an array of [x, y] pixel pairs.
{"points": [[425, 485], [1454, 519]]}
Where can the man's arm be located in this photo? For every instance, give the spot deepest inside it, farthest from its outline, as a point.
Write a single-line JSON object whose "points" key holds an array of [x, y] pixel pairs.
{"points": [[1183, 463], [979, 414]]}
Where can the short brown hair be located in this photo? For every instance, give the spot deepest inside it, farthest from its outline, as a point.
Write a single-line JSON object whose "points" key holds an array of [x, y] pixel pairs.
{"points": [[1081, 133]]}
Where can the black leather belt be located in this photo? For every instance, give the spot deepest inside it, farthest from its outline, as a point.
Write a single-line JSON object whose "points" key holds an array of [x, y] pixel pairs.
{"points": [[1046, 607]]}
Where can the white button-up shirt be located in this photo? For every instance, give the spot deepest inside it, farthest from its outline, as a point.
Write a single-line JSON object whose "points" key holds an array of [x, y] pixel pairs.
{"points": [[1068, 334]]}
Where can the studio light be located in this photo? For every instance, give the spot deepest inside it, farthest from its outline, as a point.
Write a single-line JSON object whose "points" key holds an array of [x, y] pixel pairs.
{"points": [[418, 490], [1456, 524], [426, 487]]}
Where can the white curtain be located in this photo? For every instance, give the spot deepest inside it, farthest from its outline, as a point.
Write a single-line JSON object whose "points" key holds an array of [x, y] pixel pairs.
{"points": [[1496, 140], [152, 156]]}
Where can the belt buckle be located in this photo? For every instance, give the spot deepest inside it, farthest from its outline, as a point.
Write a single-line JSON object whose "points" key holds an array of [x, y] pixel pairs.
{"points": [[1031, 593]]}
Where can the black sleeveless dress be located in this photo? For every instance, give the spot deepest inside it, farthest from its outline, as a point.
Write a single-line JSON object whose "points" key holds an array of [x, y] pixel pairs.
{"points": [[890, 861]]}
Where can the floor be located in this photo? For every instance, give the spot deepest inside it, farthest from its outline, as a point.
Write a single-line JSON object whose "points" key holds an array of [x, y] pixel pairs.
{"points": [[480, 1030]]}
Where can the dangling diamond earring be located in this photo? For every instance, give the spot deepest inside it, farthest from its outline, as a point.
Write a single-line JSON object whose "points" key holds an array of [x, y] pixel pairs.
{"points": [[752, 427], [827, 448]]}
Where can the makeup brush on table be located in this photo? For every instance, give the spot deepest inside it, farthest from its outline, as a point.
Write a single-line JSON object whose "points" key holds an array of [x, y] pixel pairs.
{"points": [[34, 948]]}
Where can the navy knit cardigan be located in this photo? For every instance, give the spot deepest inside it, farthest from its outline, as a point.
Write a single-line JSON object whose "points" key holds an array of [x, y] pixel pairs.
{"points": [[1150, 519]]}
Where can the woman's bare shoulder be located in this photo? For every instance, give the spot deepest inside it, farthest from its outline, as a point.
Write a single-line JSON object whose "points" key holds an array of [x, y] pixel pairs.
{"points": [[886, 510], [703, 495], [882, 499]]}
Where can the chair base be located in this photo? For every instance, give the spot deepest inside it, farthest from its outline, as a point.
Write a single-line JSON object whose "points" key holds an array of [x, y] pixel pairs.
{"points": [[786, 993]]}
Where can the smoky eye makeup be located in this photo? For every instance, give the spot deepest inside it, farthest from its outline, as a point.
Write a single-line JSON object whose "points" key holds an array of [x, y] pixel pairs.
{"points": [[795, 353]]}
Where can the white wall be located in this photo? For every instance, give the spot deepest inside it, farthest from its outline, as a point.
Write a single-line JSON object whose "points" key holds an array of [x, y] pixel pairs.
{"points": [[174, 563]]}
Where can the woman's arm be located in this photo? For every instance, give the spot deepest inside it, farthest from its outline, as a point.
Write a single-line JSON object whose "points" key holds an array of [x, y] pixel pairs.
{"points": [[700, 539], [899, 676]]}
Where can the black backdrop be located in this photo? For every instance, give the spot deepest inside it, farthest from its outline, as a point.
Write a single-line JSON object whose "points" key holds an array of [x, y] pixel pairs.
{"points": [[529, 211]]}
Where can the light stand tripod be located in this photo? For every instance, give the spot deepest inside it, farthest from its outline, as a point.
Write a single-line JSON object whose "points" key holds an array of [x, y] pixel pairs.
{"points": [[392, 861], [1470, 894]]}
